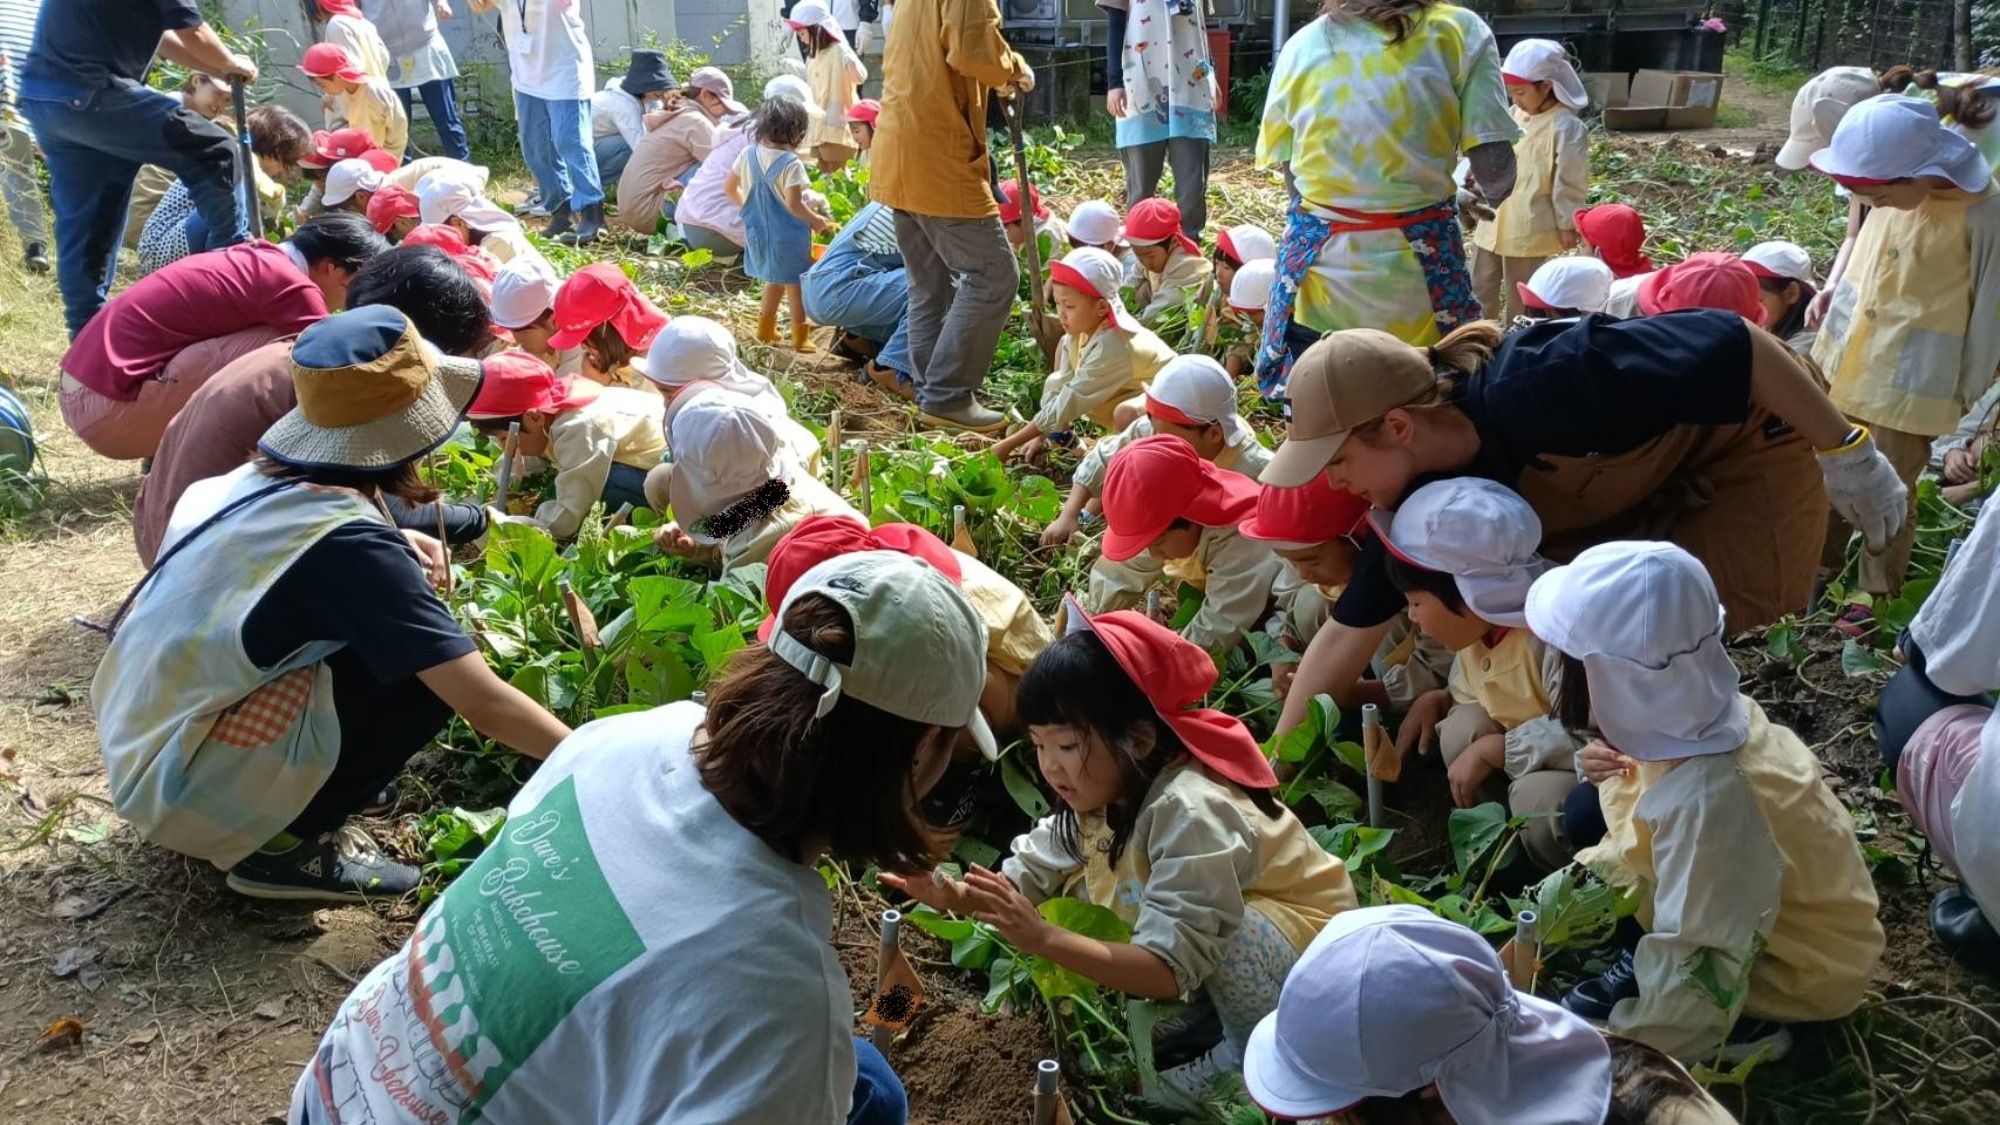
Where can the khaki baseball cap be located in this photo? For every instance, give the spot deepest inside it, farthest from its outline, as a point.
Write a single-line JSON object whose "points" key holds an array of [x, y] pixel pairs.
{"points": [[1345, 380]]}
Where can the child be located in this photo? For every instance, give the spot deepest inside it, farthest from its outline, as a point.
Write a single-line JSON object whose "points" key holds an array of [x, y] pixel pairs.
{"points": [[1615, 235], [1911, 340], [1537, 222], [1106, 356], [1162, 501], [1175, 270], [1747, 869], [447, 199], [1249, 294], [355, 99], [1191, 398], [524, 299], [601, 440], [769, 184], [1710, 280], [1167, 818], [1786, 288], [835, 73], [1095, 223], [1565, 288], [477, 263], [694, 351], [1394, 1014], [1050, 232], [1463, 552], [347, 28], [1236, 247], [394, 211], [732, 486], [600, 310]]}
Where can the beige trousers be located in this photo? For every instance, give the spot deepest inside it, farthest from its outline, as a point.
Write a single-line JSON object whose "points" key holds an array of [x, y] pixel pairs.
{"points": [[1542, 791], [1493, 279]]}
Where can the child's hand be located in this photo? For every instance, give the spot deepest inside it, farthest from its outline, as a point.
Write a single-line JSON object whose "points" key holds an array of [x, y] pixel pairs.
{"points": [[1473, 766], [937, 890], [1059, 532], [1281, 679], [1600, 763], [996, 901], [1816, 310], [674, 541], [1569, 238], [1032, 450], [1960, 467], [1419, 729]]}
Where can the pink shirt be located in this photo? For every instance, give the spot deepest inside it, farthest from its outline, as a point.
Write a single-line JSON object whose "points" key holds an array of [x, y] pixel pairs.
{"points": [[197, 298], [705, 203]]}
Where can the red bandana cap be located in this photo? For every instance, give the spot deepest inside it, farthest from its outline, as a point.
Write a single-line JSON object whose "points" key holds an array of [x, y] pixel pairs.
{"points": [[390, 203], [330, 60], [340, 8], [477, 263], [1712, 280], [1157, 220], [1619, 235], [866, 111], [1293, 519], [602, 294], [330, 148], [517, 382], [1156, 480], [1176, 675], [1010, 202], [819, 538]]}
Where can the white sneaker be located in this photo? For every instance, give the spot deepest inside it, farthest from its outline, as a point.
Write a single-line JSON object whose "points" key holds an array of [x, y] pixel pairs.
{"points": [[1194, 1078], [533, 207]]}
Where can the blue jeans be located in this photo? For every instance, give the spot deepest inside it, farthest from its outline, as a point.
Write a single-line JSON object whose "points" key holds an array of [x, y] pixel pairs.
{"points": [[612, 155], [441, 102], [555, 140], [94, 141], [878, 1093], [625, 485], [874, 304]]}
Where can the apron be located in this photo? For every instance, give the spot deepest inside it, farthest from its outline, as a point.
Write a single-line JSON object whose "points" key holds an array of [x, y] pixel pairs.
{"points": [[779, 250], [1169, 80]]}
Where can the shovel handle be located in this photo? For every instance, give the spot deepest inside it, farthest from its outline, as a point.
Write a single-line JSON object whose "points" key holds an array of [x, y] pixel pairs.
{"points": [[1011, 109], [239, 103]]}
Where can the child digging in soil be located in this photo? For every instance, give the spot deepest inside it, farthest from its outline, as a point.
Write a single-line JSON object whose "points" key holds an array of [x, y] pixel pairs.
{"points": [[769, 183], [1537, 221], [1175, 269], [1168, 819], [1249, 295], [694, 352], [601, 311]]}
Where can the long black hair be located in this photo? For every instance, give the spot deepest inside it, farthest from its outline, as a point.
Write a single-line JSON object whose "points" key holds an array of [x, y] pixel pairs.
{"points": [[1794, 320]]}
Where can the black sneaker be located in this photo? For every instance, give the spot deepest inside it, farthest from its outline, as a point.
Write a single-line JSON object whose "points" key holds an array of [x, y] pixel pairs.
{"points": [[343, 865], [950, 804], [1185, 1032], [37, 257], [1594, 999], [561, 222], [1963, 930]]}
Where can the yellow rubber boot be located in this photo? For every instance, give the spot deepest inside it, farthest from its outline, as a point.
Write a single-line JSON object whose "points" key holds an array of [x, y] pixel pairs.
{"points": [[767, 327], [802, 339]]}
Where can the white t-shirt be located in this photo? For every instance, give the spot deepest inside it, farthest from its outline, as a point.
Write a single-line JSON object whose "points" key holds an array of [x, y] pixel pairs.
{"points": [[1624, 299], [794, 174], [625, 952], [547, 49]]}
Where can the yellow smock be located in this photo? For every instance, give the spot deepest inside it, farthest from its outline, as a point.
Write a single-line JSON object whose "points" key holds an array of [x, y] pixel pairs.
{"points": [[1097, 372], [1552, 178]]}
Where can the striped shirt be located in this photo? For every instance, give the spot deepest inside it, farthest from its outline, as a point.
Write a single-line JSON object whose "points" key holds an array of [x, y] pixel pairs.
{"points": [[17, 34]]}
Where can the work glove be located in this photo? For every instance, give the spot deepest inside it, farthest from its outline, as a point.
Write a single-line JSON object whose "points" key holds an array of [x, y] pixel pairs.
{"points": [[1864, 489]]}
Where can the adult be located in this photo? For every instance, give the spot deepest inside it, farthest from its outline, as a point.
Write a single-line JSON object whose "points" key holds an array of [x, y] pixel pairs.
{"points": [[312, 656], [1689, 426], [1159, 86], [622, 112], [218, 428], [671, 152], [279, 139], [420, 65], [131, 369], [821, 743], [17, 143], [930, 163], [84, 93], [706, 218], [548, 58], [861, 285], [1373, 239]]}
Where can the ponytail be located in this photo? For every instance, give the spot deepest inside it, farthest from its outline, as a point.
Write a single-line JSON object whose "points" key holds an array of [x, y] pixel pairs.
{"points": [[1967, 106], [1397, 17], [1466, 349]]}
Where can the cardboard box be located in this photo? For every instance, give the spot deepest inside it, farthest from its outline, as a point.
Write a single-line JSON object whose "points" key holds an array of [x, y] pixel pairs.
{"points": [[1608, 89], [1668, 99]]}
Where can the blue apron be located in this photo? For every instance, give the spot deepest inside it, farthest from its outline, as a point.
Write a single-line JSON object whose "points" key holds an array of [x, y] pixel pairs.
{"points": [[779, 248]]}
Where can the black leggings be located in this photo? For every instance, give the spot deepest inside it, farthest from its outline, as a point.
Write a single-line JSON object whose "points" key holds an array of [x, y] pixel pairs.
{"points": [[1908, 699], [381, 727]]}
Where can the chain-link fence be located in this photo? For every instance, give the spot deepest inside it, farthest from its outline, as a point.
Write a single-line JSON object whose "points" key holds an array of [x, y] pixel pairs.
{"points": [[1815, 34]]}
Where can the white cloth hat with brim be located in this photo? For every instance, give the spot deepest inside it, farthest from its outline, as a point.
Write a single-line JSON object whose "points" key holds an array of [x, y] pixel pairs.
{"points": [[1246, 243], [371, 394], [1390, 999], [1478, 531], [1781, 260], [1092, 271], [813, 13], [1817, 109], [523, 290], [1645, 620], [789, 86], [443, 196], [1576, 282], [1891, 137], [347, 177], [1544, 60], [1200, 391], [724, 449], [919, 645], [1250, 289], [1094, 223]]}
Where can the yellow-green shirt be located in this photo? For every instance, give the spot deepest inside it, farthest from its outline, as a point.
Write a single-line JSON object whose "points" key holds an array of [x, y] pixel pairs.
{"points": [[1551, 181]]}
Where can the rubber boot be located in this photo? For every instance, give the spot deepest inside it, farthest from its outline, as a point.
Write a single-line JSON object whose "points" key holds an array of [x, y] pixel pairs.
{"points": [[560, 222], [802, 339], [590, 224], [767, 327]]}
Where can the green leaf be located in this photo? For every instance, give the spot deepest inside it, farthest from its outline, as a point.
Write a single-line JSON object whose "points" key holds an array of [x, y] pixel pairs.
{"points": [[1293, 746], [1483, 918], [1474, 831], [716, 646], [1782, 641], [1022, 787], [1339, 802], [1037, 500], [1355, 844], [1858, 660], [1092, 921], [1574, 909], [974, 850]]}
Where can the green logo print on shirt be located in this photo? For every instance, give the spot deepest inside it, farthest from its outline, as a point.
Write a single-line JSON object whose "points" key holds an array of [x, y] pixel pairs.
{"points": [[515, 944]]}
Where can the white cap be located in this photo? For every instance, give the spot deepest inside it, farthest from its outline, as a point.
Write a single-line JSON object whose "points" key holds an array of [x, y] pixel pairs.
{"points": [[813, 13], [1544, 60], [440, 196], [919, 646], [695, 349], [1818, 107], [1097, 271], [1247, 243], [523, 290], [347, 177], [1479, 532], [1094, 222], [1646, 622], [1781, 260], [1250, 289], [724, 449], [1891, 137], [1390, 999], [1196, 390], [790, 86], [1577, 282]]}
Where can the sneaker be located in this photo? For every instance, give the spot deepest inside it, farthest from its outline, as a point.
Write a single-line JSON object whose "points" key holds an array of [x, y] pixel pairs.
{"points": [[1750, 1038], [1963, 930], [852, 348], [533, 206], [382, 803], [36, 257], [1186, 1031], [343, 865], [1594, 999], [1194, 1079], [952, 801], [969, 415]]}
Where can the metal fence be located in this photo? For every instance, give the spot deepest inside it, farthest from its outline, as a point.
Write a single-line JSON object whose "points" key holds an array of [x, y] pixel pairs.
{"points": [[1816, 34]]}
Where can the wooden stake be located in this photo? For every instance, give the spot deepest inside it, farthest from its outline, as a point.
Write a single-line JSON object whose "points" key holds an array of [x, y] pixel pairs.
{"points": [[833, 440], [1371, 734], [892, 921], [961, 536], [503, 474], [1525, 950], [867, 488], [1047, 1098]]}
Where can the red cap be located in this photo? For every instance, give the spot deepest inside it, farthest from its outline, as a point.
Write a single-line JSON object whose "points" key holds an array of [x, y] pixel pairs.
{"points": [[1314, 513], [865, 111], [1515, 79], [330, 60], [1712, 280], [1619, 235], [1157, 220], [390, 203], [476, 262], [1010, 202], [602, 294], [517, 382], [330, 148], [1176, 675], [340, 8], [1156, 480], [819, 538]]}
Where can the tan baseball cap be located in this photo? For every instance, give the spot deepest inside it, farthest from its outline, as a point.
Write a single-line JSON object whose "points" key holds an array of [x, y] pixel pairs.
{"points": [[1345, 380]]}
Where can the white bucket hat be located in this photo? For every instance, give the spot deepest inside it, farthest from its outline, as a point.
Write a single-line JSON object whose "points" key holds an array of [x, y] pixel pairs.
{"points": [[1246, 243], [1094, 222], [523, 290], [790, 86], [695, 349], [1479, 532], [1781, 261], [1250, 289], [1645, 620], [1194, 390], [813, 13], [1576, 282], [441, 196], [1818, 107], [1390, 999], [1891, 137], [1094, 271], [724, 448], [919, 646], [1544, 60], [347, 177]]}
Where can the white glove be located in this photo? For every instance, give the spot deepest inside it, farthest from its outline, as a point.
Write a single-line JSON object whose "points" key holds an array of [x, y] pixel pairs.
{"points": [[1864, 489]]}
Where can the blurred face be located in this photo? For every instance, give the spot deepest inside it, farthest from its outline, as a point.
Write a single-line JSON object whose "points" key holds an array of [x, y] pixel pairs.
{"points": [[1532, 98], [333, 85], [1777, 301], [1902, 195], [711, 103], [1152, 256], [1078, 766], [358, 202], [276, 169], [1208, 440], [534, 338], [1326, 564], [1017, 232], [1455, 631], [1176, 543], [1080, 314], [401, 228], [534, 434], [208, 100], [1377, 465]]}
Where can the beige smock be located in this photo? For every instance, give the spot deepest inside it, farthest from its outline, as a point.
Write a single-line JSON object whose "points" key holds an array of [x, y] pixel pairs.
{"points": [[1551, 181]]}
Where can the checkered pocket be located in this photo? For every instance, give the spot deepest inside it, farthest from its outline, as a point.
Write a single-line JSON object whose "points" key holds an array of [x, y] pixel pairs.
{"points": [[266, 714]]}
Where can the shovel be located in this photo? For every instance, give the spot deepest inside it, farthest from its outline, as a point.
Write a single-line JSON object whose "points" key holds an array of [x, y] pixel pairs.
{"points": [[1048, 338], [248, 159]]}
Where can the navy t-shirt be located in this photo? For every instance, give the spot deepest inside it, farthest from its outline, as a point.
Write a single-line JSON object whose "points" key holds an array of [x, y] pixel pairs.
{"points": [[1598, 386], [97, 42]]}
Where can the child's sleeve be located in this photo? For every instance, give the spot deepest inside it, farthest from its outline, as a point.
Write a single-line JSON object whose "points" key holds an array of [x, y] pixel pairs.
{"points": [[1091, 469], [855, 70], [1100, 372], [1039, 865], [584, 452], [1203, 852], [1982, 334], [1571, 189], [1241, 573], [1543, 743]]}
